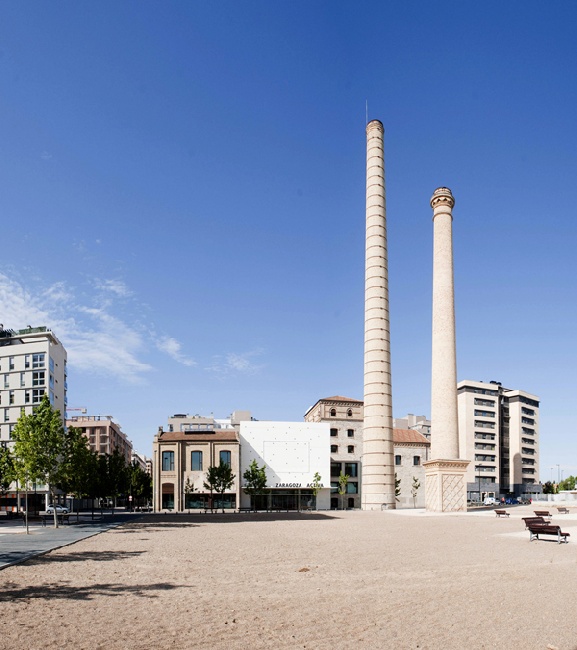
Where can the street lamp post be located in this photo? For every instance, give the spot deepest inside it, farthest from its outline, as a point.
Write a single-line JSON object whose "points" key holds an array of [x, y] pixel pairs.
{"points": [[479, 468]]}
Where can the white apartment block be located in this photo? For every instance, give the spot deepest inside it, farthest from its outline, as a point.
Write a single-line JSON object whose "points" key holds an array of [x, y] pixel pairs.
{"points": [[499, 433], [32, 362]]}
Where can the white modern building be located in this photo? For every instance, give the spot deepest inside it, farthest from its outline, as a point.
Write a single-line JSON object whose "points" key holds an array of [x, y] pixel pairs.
{"points": [[32, 362], [499, 432], [293, 453]]}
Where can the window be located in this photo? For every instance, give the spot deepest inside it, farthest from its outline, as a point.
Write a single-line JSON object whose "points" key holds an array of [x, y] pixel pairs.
{"points": [[416, 460], [350, 413], [484, 402], [38, 378], [351, 502], [336, 469], [333, 413], [196, 461], [27, 361], [351, 433], [352, 488], [26, 397], [334, 449], [334, 432], [37, 395], [225, 457], [6, 381], [351, 449], [38, 360], [11, 397], [22, 380], [484, 414], [51, 364], [397, 460], [6, 415], [352, 469], [11, 363], [168, 461]]}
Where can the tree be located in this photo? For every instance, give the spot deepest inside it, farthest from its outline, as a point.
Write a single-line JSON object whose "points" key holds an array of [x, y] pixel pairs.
{"points": [[118, 474], [255, 480], [414, 489], [219, 479], [188, 490], [39, 447], [549, 488], [139, 483], [75, 469], [6, 469], [343, 480], [316, 486], [397, 487], [568, 483]]}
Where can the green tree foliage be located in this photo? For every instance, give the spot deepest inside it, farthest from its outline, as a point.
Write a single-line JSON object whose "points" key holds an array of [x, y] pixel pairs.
{"points": [[568, 483], [6, 469], [40, 443], [342, 490], [139, 484], [414, 489], [549, 488], [189, 489], [118, 474], [75, 475], [255, 480], [219, 479]]}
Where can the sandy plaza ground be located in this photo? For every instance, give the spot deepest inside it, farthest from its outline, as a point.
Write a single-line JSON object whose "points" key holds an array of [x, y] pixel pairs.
{"points": [[400, 579]]}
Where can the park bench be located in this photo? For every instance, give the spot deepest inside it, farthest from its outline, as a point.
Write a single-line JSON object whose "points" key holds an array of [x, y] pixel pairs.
{"points": [[562, 510], [535, 531], [501, 513], [542, 513], [49, 518], [534, 521], [249, 509]]}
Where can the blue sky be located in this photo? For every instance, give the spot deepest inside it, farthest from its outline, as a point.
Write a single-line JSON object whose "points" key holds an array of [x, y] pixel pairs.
{"points": [[182, 191]]}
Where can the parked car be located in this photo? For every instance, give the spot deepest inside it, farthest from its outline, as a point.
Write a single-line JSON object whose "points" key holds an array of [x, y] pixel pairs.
{"points": [[491, 501], [511, 501], [60, 510]]}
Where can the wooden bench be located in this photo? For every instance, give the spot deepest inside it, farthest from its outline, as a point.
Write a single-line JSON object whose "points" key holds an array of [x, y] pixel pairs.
{"points": [[535, 531], [562, 510], [534, 521], [542, 513], [49, 518], [501, 513]]}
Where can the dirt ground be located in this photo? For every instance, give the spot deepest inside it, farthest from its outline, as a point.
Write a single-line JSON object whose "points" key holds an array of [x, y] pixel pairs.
{"points": [[362, 580]]}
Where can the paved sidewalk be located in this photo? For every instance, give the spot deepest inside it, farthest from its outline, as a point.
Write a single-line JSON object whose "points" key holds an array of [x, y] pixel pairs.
{"points": [[16, 546]]}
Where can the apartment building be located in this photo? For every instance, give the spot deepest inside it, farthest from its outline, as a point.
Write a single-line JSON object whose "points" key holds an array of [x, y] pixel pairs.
{"points": [[32, 363], [345, 418], [415, 423], [499, 433], [103, 434]]}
